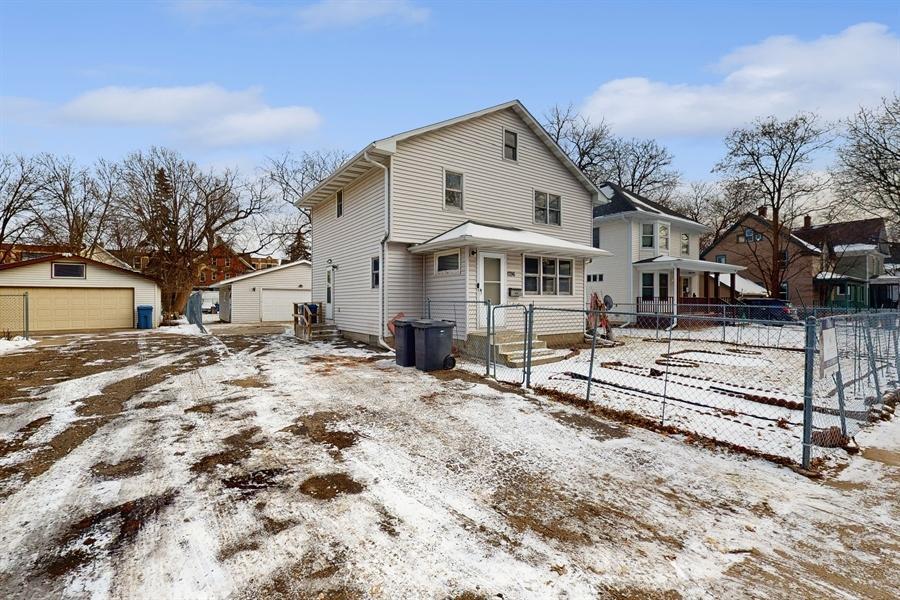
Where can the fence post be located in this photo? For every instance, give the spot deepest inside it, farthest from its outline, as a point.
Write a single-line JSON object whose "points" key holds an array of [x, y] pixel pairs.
{"points": [[427, 308], [487, 339], [26, 315], [808, 388], [723, 323], [529, 332], [593, 350], [870, 350]]}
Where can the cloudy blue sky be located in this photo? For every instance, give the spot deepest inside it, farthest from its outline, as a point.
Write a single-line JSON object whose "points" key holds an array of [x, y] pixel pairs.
{"points": [[230, 82]]}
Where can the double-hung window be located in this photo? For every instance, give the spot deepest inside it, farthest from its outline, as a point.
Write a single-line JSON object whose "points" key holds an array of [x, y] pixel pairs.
{"points": [[453, 190], [663, 236], [548, 276], [547, 208], [648, 235], [510, 145], [339, 200], [595, 238], [647, 286], [376, 272], [685, 244]]}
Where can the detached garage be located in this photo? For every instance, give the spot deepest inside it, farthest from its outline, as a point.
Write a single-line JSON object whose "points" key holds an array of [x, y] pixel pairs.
{"points": [[68, 293], [265, 295]]}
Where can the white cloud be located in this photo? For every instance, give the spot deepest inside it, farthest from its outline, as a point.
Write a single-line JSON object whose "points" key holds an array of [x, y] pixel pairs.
{"points": [[780, 76], [208, 114], [346, 13]]}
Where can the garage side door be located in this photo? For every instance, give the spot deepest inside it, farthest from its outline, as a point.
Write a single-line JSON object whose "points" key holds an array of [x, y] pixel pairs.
{"points": [[59, 309], [278, 305]]}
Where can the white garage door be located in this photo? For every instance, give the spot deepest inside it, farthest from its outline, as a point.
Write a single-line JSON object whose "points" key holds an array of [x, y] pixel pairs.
{"points": [[278, 305]]}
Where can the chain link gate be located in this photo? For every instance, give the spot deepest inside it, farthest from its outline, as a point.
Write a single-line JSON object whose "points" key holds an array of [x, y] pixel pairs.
{"points": [[508, 343], [14, 318]]}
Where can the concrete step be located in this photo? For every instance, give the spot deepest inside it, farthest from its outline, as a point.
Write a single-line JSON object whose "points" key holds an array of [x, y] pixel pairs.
{"points": [[517, 346], [543, 356]]}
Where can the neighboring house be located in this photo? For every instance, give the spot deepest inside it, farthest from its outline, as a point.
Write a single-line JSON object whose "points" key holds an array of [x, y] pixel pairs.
{"points": [[221, 264], [482, 207], [854, 254], [68, 292], [261, 262], [749, 243], [18, 252], [266, 295], [655, 264]]}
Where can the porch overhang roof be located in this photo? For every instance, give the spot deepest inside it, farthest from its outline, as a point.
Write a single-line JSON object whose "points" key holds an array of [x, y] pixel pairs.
{"points": [[508, 239], [687, 264]]}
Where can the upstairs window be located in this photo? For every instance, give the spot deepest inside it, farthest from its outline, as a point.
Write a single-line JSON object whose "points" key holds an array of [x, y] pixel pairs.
{"points": [[453, 190], [547, 208], [685, 244], [68, 270], [648, 235], [228, 262], [340, 202], [595, 239], [663, 236], [510, 145], [376, 272]]}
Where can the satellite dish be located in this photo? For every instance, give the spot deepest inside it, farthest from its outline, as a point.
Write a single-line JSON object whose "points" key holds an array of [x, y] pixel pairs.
{"points": [[608, 301]]}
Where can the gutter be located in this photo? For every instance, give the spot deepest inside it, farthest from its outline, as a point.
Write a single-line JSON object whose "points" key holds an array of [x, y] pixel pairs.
{"points": [[382, 284]]}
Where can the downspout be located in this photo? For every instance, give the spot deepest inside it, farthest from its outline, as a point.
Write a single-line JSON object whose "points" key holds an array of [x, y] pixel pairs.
{"points": [[382, 284]]}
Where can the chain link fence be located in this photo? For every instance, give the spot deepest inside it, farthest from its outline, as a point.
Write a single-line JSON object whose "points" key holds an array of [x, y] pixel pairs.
{"points": [[13, 315], [788, 390]]}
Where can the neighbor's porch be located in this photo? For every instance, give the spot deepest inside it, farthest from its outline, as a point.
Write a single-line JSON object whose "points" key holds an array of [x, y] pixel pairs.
{"points": [[673, 286]]}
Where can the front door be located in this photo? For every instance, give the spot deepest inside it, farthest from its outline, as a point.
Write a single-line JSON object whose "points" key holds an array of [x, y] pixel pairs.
{"points": [[329, 293], [492, 282]]}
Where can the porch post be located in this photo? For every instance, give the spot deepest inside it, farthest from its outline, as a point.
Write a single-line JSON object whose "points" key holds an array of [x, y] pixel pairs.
{"points": [[706, 285], [716, 280], [677, 290], [733, 278]]}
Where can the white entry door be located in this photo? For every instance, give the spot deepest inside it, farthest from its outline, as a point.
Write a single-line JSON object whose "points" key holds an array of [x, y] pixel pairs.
{"points": [[492, 282], [329, 293]]}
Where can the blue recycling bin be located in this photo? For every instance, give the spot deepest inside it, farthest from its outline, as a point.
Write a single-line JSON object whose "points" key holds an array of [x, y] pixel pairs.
{"points": [[145, 316]]}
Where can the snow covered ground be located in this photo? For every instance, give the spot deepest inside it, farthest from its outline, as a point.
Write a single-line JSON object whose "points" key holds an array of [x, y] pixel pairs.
{"points": [[247, 464], [16, 343], [747, 394]]}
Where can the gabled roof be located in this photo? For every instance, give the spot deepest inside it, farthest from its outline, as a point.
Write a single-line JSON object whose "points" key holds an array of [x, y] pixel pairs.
{"points": [[762, 222], [73, 258], [844, 233], [261, 272], [505, 238], [621, 201], [361, 162]]}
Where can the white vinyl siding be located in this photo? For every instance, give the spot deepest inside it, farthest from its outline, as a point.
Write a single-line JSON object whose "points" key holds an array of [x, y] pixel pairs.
{"points": [[616, 237], [446, 290], [405, 288], [241, 301], [350, 243], [497, 191]]}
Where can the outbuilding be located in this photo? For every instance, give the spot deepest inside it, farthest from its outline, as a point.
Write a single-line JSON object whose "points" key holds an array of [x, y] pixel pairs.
{"points": [[70, 292], [266, 294]]}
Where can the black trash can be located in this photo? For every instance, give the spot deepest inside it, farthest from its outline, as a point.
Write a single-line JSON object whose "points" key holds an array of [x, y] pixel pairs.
{"points": [[405, 342], [434, 344]]}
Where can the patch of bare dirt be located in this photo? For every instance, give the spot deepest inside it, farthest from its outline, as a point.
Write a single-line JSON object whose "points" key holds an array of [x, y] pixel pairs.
{"points": [[227, 552], [21, 436], [119, 470], [237, 448], [250, 483], [249, 382], [316, 427], [103, 532], [328, 487], [599, 429]]}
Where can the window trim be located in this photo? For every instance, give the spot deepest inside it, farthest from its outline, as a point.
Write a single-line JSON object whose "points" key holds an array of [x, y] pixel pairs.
{"points": [[659, 236], [462, 189], [652, 245], [455, 271], [339, 204], [53, 274], [375, 273], [540, 275], [503, 145], [534, 192]]}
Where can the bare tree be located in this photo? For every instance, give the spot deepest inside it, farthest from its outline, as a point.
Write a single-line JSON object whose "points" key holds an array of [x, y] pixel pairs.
{"points": [[289, 227], [771, 159], [868, 167], [713, 204], [20, 183], [640, 166], [75, 202], [182, 212]]}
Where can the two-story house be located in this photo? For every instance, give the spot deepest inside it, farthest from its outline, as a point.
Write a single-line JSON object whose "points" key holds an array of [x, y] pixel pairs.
{"points": [[485, 207], [656, 262]]}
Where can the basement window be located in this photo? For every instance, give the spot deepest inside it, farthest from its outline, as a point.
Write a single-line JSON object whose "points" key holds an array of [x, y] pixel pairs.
{"points": [[69, 270]]}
